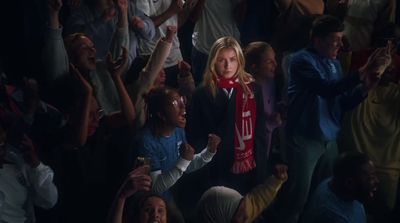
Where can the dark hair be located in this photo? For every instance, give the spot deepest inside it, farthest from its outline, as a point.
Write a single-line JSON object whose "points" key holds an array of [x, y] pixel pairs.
{"points": [[157, 100], [134, 203], [349, 165], [324, 25]]}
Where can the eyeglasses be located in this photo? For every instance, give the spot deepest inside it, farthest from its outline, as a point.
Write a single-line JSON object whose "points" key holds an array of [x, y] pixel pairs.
{"points": [[181, 102]]}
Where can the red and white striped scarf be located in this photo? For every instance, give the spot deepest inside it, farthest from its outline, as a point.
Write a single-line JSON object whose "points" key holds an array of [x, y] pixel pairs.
{"points": [[245, 118]]}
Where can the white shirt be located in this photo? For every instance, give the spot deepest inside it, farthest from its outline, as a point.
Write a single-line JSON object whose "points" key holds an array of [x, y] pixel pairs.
{"points": [[155, 8], [216, 21]]}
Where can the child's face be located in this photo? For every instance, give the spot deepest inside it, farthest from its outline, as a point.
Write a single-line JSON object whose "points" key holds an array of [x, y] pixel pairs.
{"points": [[175, 110], [227, 63], [267, 64], [153, 210]]}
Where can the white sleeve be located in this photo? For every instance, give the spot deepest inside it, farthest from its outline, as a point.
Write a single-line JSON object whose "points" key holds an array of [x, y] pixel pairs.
{"points": [[200, 159], [54, 55], [162, 181], [120, 39], [45, 192]]}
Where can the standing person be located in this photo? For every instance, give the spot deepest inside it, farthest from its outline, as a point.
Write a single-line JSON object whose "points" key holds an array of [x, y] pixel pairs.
{"points": [[230, 104], [318, 97], [341, 197], [98, 19], [80, 50], [163, 13], [261, 63]]}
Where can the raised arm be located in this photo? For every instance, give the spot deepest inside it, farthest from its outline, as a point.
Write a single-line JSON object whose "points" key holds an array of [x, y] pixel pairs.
{"points": [[185, 80], [117, 69], [121, 35], [260, 197], [205, 156], [140, 23], [150, 72], [137, 180], [163, 180], [80, 119], [54, 55]]}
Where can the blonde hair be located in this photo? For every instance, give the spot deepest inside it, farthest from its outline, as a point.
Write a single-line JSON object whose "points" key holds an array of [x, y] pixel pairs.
{"points": [[210, 73]]}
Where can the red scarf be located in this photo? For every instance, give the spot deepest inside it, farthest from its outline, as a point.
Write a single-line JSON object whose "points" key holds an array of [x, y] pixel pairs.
{"points": [[245, 119]]}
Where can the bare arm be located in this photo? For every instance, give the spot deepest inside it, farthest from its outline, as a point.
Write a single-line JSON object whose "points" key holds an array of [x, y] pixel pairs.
{"points": [[137, 180], [117, 69], [80, 119]]}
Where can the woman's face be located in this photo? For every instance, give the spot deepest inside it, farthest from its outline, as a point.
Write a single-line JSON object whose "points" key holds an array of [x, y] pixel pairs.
{"points": [[154, 210], [227, 63], [267, 64]]}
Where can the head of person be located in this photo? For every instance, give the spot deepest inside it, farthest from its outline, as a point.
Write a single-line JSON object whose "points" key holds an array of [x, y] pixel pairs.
{"points": [[326, 35], [81, 51], [225, 60], [355, 174], [145, 207], [260, 60], [166, 107], [219, 205]]}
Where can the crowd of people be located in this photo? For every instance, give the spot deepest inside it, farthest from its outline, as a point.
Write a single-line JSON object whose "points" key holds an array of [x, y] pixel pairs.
{"points": [[220, 111]]}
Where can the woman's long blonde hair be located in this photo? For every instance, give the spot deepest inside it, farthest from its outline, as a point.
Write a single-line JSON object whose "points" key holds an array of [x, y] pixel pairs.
{"points": [[226, 42]]}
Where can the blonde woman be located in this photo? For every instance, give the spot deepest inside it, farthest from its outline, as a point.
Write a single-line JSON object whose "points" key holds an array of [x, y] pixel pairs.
{"points": [[230, 104]]}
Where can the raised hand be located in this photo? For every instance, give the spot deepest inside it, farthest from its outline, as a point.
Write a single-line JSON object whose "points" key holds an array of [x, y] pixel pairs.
{"points": [[184, 68], [376, 65], [280, 172], [118, 67], [137, 180], [54, 6], [109, 13], [28, 151], [213, 142], [186, 151], [122, 5], [82, 82], [171, 31], [137, 23]]}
